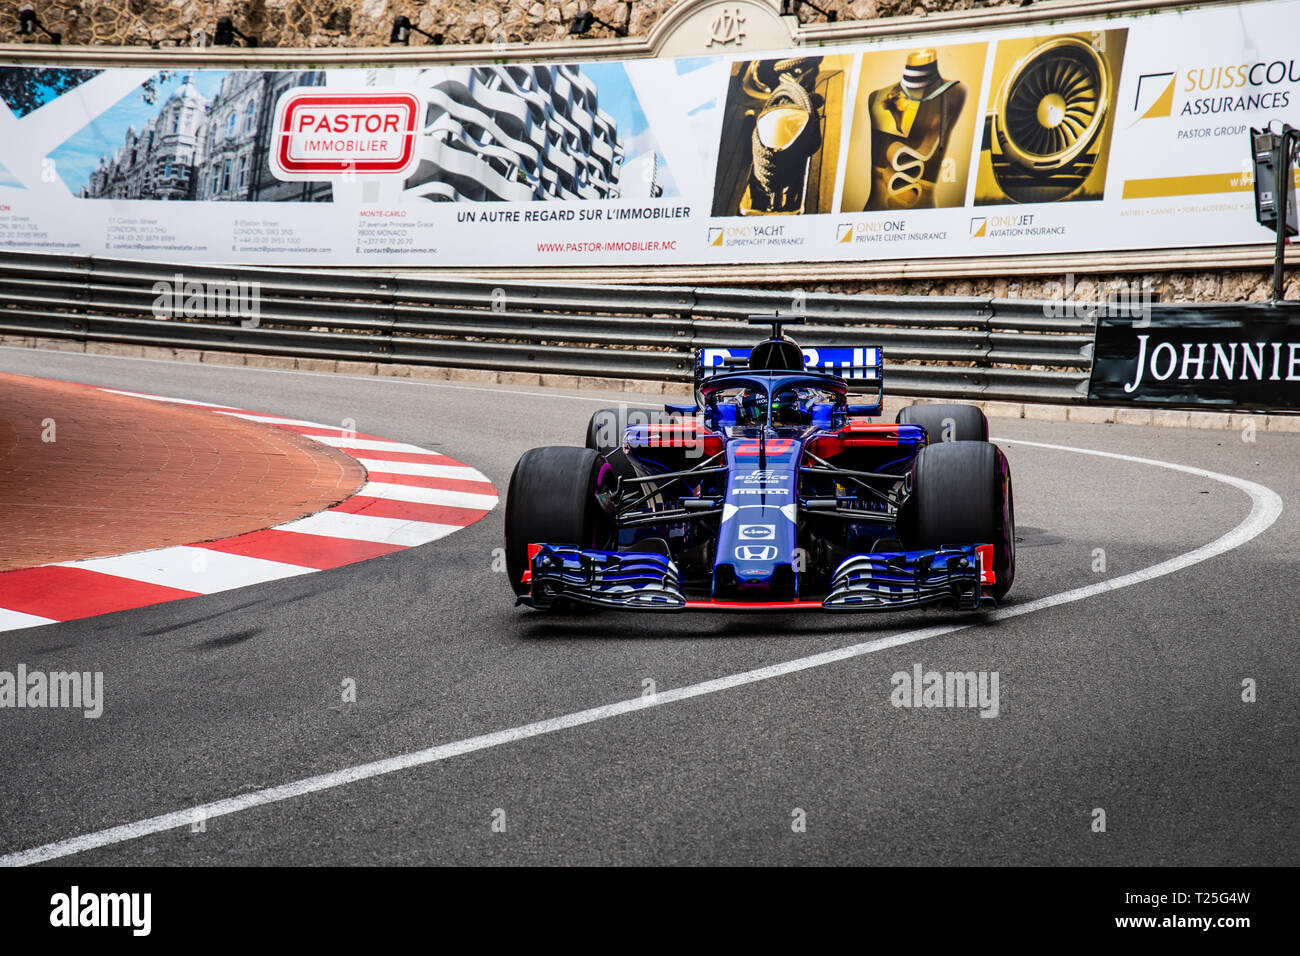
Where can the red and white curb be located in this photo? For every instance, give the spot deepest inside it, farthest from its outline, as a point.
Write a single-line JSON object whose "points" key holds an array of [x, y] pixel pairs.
{"points": [[411, 496]]}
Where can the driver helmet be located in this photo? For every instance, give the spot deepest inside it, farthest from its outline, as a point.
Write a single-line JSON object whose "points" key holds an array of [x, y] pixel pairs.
{"points": [[751, 408], [787, 409]]}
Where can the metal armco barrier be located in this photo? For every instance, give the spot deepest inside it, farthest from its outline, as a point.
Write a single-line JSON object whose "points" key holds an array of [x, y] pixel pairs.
{"points": [[960, 347]]}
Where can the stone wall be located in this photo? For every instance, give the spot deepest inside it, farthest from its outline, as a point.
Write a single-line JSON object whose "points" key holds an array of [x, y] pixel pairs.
{"points": [[1208, 285], [323, 23]]}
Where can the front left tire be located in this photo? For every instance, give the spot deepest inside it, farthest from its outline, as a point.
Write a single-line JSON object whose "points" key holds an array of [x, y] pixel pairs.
{"points": [[552, 499], [961, 494]]}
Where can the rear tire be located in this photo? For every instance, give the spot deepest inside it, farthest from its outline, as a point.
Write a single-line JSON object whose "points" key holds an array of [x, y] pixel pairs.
{"points": [[552, 500], [946, 423], [961, 494]]}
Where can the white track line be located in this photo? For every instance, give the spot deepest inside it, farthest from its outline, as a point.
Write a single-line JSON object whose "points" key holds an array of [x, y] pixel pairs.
{"points": [[1265, 508], [163, 398]]}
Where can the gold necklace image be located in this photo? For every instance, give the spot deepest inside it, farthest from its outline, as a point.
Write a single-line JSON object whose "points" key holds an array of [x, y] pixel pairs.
{"points": [[911, 124]]}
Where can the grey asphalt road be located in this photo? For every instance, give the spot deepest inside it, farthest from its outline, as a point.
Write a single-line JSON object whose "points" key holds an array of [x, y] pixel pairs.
{"points": [[1128, 701]]}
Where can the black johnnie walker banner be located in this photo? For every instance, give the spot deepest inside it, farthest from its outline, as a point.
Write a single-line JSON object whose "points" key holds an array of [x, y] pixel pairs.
{"points": [[1226, 356]]}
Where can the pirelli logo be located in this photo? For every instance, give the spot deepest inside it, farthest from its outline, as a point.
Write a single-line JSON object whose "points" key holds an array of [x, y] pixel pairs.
{"points": [[321, 134]]}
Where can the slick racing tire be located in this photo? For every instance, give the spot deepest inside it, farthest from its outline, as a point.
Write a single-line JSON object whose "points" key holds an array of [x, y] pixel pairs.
{"points": [[552, 499], [946, 422], [961, 494], [606, 428]]}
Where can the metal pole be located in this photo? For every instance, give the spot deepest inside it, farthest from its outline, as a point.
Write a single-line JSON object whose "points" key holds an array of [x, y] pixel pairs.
{"points": [[1285, 183]]}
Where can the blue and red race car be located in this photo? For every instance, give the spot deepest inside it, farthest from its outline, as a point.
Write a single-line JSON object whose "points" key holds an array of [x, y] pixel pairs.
{"points": [[771, 492]]}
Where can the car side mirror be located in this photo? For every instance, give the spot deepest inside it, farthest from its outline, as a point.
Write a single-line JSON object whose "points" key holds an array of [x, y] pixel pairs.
{"points": [[871, 411], [724, 416]]}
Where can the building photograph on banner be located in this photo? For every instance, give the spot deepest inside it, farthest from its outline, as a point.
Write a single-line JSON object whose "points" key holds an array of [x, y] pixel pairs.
{"points": [[780, 137], [913, 127], [194, 136], [534, 133], [1048, 125]]}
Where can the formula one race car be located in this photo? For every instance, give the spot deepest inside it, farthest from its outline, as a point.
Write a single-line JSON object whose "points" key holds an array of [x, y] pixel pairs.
{"points": [[770, 492]]}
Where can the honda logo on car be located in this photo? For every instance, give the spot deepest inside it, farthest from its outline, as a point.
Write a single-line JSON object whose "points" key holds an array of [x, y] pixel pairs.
{"points": [[756, 552], [320, 134], [757, 532]]}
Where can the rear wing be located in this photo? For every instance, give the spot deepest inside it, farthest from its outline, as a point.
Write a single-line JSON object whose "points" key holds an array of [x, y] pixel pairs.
{"points": [[862, 367]]}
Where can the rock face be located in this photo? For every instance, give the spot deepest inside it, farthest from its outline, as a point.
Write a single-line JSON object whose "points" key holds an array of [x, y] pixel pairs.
{"points": [[317, 23]]}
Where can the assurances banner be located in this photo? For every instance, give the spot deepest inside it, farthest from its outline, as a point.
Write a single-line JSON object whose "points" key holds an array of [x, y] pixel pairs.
{"points": [[1113, 134]]}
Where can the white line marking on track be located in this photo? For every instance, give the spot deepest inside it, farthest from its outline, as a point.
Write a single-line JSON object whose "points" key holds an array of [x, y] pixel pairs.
{"points": [[162, 398], [1265, 508]]}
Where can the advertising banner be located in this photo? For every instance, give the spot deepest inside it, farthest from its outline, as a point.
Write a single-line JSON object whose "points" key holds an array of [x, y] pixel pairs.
{"points": [[1120, 133], [1240, 356]]}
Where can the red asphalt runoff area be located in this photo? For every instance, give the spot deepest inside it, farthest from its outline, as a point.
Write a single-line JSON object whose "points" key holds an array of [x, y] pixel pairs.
{"points": [[88, 473]]}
